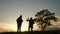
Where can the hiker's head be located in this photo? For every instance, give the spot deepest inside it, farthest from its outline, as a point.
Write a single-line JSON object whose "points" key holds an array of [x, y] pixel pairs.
{"points": [[20, 15], [31, 18]]}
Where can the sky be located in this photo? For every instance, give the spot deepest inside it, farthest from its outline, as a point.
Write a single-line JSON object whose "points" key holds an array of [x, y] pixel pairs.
{"points": [[10, 10]]}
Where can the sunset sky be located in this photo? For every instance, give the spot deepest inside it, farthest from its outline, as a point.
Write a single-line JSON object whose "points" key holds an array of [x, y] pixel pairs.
{"points": [[10, 10]]}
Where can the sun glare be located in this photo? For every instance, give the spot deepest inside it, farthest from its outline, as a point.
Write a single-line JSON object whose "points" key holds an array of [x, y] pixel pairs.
{"points": [[23, 27], [14, 27]]}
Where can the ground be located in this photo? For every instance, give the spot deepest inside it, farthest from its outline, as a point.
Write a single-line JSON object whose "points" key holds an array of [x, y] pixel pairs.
{"points": [[34, 32]]}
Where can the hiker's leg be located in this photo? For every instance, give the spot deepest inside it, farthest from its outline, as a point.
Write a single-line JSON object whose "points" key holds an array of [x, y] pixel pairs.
{"points": [[29, 28], [20, 27], [17, 27]]}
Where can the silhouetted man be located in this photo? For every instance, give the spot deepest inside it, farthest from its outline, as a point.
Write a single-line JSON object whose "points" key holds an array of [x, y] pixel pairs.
{"points": [[31, 22], [19, 22]]}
